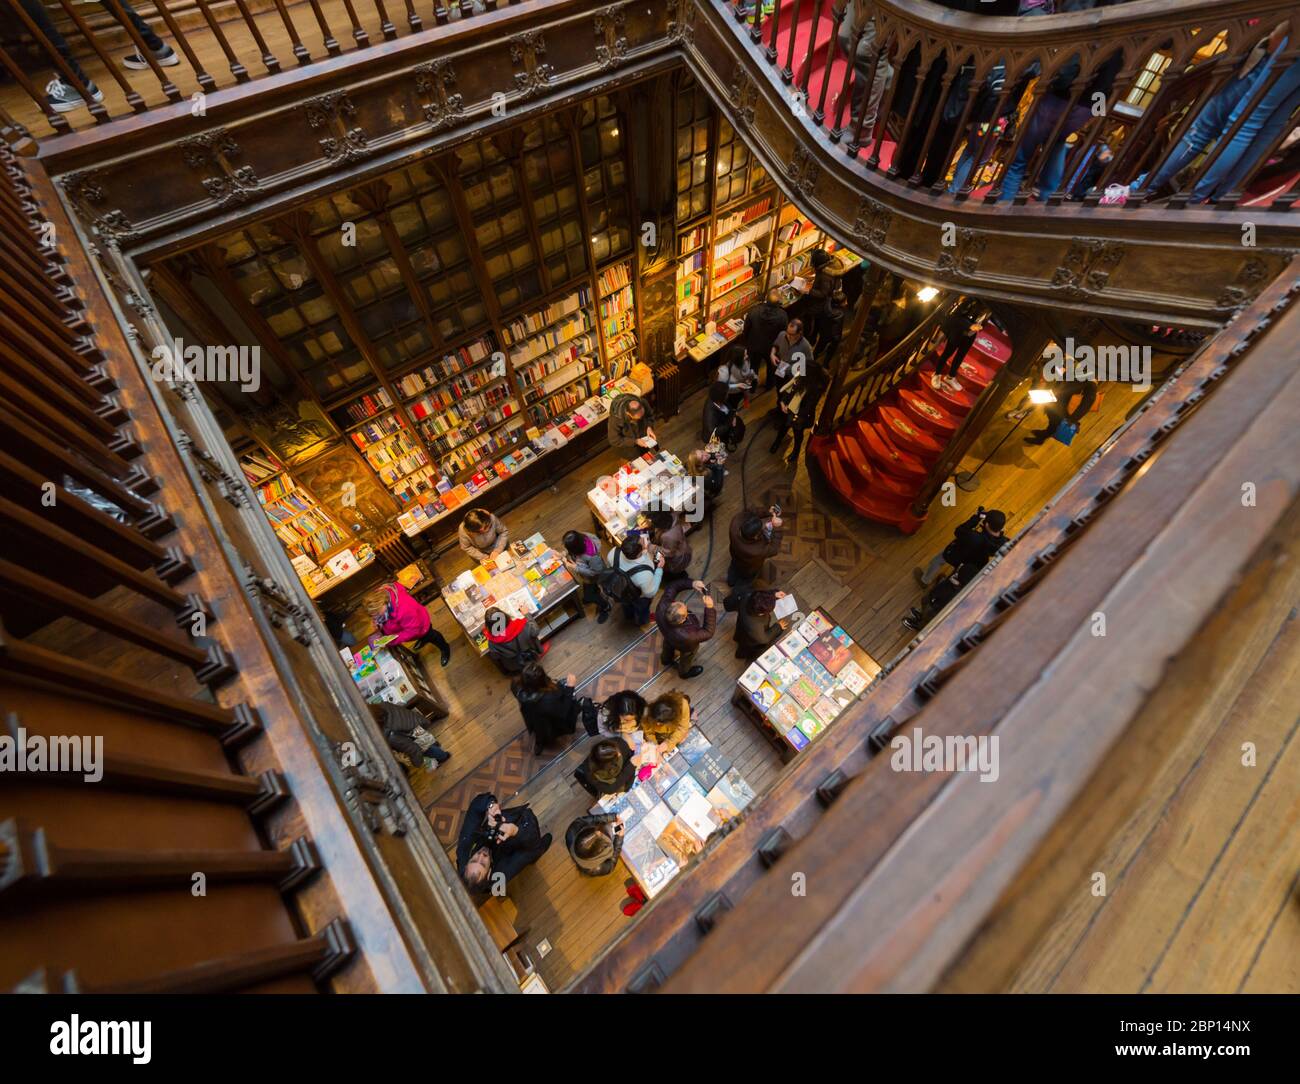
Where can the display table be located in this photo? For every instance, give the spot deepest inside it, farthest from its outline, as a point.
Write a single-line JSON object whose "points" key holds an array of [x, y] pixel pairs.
{"points": [[667, 818], [804, 682], [706, 344], [655, 480], [393, 675], [527, 579]]}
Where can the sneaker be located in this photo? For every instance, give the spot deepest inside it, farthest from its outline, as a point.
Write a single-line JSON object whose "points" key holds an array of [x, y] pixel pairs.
{"points": [[952, 383], [63, 97], [912, 623], [431, 763], [918, 574], [165, 58], [937, 382]]}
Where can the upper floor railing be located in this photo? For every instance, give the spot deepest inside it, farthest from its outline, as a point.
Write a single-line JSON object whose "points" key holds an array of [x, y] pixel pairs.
{"points": [[1129, 103], [73, 62]]}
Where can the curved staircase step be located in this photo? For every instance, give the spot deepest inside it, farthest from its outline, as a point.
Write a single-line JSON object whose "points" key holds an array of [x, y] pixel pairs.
{"points": [[991, 347], [925, 412], [887, 455], [909, 436]]}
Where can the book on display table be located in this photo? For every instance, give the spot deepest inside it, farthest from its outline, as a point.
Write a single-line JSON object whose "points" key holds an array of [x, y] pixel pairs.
{"points": [[526, 579], [652, 480], [804, 682], [669, 816]]}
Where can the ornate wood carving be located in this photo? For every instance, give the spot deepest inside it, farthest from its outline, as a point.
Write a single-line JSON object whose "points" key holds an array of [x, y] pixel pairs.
{"points": [[433, 81], [211, 153], [280, 610], [372, 793], [681, 21], [743, 94], [210, 469], [1087, 266], [871, 223], [1245, 287], [335, 111], [962, 259], [527, 49], [611, 38], [803, 170]]}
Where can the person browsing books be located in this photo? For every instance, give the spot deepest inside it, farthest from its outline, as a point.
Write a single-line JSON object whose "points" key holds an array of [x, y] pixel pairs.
{"points": [[594, 843], [682, 631], [482, 535], [396, 613]]}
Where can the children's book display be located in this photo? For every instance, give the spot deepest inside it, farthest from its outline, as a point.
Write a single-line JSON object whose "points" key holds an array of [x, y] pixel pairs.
{"points": [[319, 578], [655, 480], [524, 579], [690, 792], [378, 675], [806, 680], [446, 497]]}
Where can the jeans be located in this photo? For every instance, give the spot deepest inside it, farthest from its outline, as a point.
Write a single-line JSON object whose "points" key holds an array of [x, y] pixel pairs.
{"points": [[933, 569], [1210, 123], [36, 10], [1045, 115], [1256, 134]]}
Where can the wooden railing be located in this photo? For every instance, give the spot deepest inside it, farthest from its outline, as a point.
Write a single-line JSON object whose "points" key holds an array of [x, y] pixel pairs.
{"points": [[220, 44], [981, 106], [225, 755]]}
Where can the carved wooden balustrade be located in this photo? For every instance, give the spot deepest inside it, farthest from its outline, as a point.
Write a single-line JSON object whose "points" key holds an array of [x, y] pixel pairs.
{"points": [[250, 39], [242, 799]]}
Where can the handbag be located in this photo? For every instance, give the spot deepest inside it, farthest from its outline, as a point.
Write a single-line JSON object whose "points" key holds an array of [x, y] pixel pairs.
{"points": [[1066, 431]]}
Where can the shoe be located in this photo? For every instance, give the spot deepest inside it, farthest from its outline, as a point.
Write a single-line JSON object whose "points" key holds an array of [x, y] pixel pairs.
{"points": [[952, 383], [446, 656], [694, 671], [539, 747], [63, 97], [936, 382], [772, 450], [1035, 441], [441, 756], [602, 617], [913, 623], [546, 843], [165, 58]]}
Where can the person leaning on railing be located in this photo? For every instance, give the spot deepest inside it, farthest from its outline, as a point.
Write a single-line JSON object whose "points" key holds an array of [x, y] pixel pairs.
{"points": [[62, 96], [870, 80]]}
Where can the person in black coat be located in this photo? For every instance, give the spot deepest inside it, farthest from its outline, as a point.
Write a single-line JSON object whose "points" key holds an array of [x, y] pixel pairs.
{"points": [[550, 709], [1074, 398], [594, 843], [974, 542], [939, 596], [495, 843], [398, 725], [763, 323], [608, 768], [756, 628], [721, 419]]}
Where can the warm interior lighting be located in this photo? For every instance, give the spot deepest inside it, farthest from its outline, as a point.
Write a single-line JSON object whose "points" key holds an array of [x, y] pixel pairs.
{"points": [[1041, 396], [926, 293]]}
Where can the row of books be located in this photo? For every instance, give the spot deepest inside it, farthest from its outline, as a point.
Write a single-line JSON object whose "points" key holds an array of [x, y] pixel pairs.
{"points": [[620, 345], [614, 278], [449, 368], [740, 239], [736, 301], [274, 489], [456, 431], [470, 453], [537, 326], [257, 467], [368, 406], [440, 402], [616, 325], [540, 369], [692, 240], [736, 219], [376, 432], [557, 402], [618, 302]]}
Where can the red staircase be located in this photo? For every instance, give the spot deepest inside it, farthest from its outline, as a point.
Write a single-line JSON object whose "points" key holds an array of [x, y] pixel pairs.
{"points": [[878, 460]]}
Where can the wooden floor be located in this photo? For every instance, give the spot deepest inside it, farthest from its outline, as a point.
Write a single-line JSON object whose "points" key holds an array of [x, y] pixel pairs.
{"points": [[862, 571], [15, 101], [1198, 842]]}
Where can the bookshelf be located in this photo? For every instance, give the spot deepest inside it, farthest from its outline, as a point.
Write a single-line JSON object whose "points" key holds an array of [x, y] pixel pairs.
{"points": [[741, 243], [386, 441], [617, 311], [303, 525], [796, 237], [259, 467]]}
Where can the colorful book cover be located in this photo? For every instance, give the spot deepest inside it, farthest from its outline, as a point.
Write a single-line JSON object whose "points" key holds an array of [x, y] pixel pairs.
{"points": [[815, 671], [649, 865], [681, 790], [657, 818], [826, 710], [643, 799], [771, 659], [818, 621], [853, 676], [805, 691], [693, 746], [793, 643], [752, 678], [785, 675], [724, 808], [797, 737], [734, 785], [830, 652], [679, 843], [765, 696], [809, 725], [784, 714], [841, 695], [709, 769]]}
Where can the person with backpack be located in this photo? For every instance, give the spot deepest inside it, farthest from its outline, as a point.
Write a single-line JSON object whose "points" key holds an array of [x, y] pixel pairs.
{"points": [[682, 631], [512, 641], [632, 578], [974, 542], [551, 709], [1074, 398], [763, 323], [939, 596], [583, 560]]}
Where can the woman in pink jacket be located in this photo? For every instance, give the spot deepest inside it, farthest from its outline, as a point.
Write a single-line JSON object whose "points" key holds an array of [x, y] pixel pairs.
{"points": [[396, 613]]}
